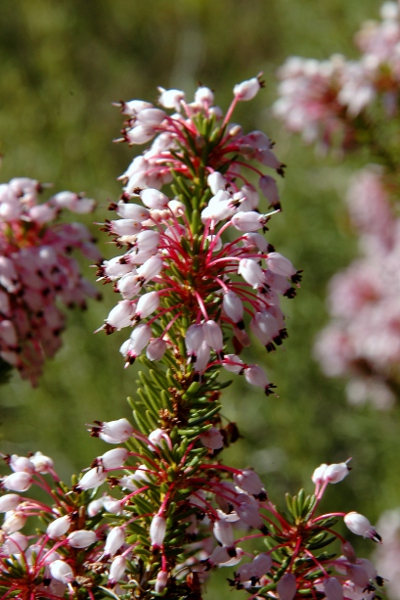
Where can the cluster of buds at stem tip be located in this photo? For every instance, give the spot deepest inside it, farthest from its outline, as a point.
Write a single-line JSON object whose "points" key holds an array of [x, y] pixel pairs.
{"points": [[37, 271], [196, 265]]}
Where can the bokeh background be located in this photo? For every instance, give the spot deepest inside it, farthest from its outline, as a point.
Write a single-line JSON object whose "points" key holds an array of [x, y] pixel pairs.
{"points": [[62, 65]]}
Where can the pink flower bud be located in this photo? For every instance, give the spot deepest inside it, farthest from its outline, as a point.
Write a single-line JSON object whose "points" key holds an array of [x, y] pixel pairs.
{"points": [[249, 481], [61, 571], [156, 437], [58, 527], [115, 539], [193, 339], [360, 525], [161, 582], [147, 304], [18, 482], [112, 505], [204, 96], [233, 363], [158, 528], [14, 522], [255, 375], [280, 265], [154, 198], [92, 479], [16, 543], [43, 464], [287, 587], [81, 538], [151, 117], [270, 190], [156, 349], [233, 307], [116, 432], [348, 552], [171, 98], [133, 211], [251, 272], [94, 507], [246, 90], [216, 181], [318, 475], [9, 502], [202, 358], [261, 564], [120, 316], [212, 439], [113, 459], [336, 472], [213, 335], [21, 464], [150, 268], [140, 134], [333, 589], [117, 569], [248, 221]]}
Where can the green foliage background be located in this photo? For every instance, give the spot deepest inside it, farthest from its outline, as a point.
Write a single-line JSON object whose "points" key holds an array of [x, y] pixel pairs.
{"points": [[62, 64]]}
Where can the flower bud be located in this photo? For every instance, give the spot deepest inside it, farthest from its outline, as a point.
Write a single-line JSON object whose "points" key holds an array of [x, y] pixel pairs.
{"points": [[58, 527], [14, 522], [92, 479], [16, 543], [287, 587], [147, 304], [333, 589], [213, 335], [113, 459], [9, 502], [161, 582], [280, 265], [251, 272], [212, 439], [246, 90], [156, 349], [360, 525], [81, 538], [117, 569], [61, 571], [249, 481], [154, 198], [43, 464], [157, 531], [18, 482], [115, 539], [116, 432]]}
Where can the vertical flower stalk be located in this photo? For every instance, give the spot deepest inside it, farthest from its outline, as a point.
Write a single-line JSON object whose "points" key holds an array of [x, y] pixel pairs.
{"points": [[160, 510]]}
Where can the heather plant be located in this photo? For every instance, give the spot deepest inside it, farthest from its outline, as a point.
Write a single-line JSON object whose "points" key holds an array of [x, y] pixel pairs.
{"points": [[158, 512], [38, 272], [352, 106]]}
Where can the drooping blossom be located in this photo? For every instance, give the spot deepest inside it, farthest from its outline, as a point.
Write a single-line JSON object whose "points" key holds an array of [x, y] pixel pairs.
{"points": [[38, 272]]}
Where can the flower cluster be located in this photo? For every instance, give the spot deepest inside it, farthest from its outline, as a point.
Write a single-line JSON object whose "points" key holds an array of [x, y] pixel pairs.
{"points": [[326, 100], [37, 270], [196, 264], [363, 340], [91, 543]]}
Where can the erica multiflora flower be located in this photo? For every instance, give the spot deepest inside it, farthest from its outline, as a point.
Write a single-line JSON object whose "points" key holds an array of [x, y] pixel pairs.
{"points": [[195, 266], [37, 271]]}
